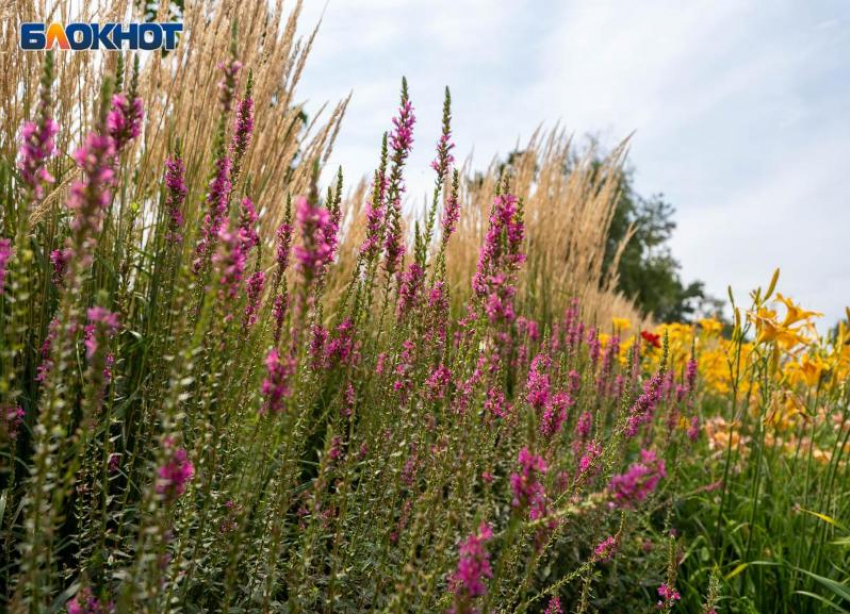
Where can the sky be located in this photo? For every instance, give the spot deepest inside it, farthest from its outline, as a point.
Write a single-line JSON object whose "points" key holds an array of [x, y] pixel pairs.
{"points": [[740, 111]]}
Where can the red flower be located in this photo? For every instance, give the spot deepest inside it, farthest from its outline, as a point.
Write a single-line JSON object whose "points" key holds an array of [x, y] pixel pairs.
{"points": [[651, 339]]}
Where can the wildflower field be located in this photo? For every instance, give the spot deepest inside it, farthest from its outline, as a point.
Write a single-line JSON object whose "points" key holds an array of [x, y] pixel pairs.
{"points": [[230, 386]]}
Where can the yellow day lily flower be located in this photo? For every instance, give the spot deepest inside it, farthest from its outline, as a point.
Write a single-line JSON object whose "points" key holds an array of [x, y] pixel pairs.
{"points": [[770, 330], [621, 324], [812, 369], [794, 312], [710, 326]]}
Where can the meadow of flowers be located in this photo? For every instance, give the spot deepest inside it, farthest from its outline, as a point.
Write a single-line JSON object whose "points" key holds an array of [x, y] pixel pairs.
{"points": [[225, 389]]}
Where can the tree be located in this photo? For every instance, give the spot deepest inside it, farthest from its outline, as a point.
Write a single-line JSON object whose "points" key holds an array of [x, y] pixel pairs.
{"points": [[648, 272]]}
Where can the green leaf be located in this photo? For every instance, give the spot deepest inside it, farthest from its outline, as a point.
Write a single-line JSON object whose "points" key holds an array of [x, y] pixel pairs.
{"points": [[826, 519], [736, 571], [824, 600]]}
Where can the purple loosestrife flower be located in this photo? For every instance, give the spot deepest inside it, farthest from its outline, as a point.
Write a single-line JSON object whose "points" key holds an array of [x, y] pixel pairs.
{"points": [[693, 428], [669, 596], [612, 351], [218, 201], [314, 253], [11, 419], [554, 606], [594, 347], [175, 474], [254, 288], [473, 568], [401, 137], [537, 384], [642, 409], [587, 463], [639, 481], [394, 242], [230, 261], [275, 387], [584, 424], [527, 490], [375, 210], [84, 602], [343, 348], [318, 338], [691, 374], [124, 120], [411, 466], [227, 85], [499, 258], [409, 292], [243, 129], [5, 256], [401, 143], [46, 348], [606, 550], [102, 324], [175, 184], [282, 251], [336, 451], [36, 144], [331, 231], [36, 148], [248, 217], [575, 383], [90, 197], [438, 382], [555, 414], [59, 260], [497, 404]]}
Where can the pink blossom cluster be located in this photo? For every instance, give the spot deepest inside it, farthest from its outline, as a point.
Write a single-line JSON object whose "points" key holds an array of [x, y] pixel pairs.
{"points": [[175, 474], [84, 602], [409, 291], [124, 120], [642, 409], [606, 549], [175, 184], [315, 252], [11, 418], [276, 385], [230, 261], [555, 414], [375, 212], [499, 257], [669, 596], [102, 324], [473, 568], [244, 127], [59, 259], [36, 148], [554, 606], [90, 197], [254, 289], [528, 492], [639, 481], [218, 201]]}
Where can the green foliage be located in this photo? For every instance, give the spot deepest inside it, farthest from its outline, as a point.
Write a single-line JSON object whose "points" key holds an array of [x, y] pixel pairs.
{"points": [[648, 271]]}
